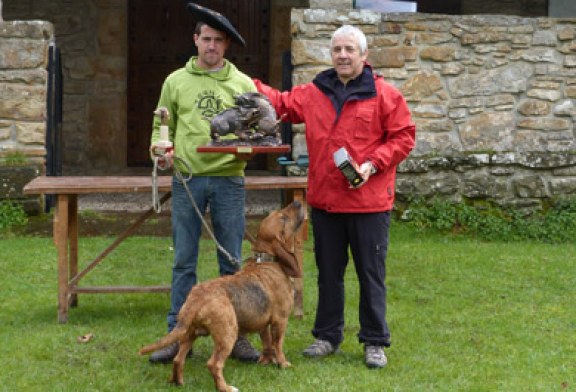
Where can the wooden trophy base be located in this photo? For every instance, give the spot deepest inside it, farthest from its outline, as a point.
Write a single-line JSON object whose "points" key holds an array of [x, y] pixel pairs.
{"points": [[239, 149]]}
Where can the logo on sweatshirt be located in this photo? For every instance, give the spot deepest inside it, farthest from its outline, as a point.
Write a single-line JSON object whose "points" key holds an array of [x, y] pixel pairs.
{"points": [[209, 103]]}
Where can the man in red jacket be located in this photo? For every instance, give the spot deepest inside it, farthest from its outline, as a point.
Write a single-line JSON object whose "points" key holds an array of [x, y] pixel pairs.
{"points": [[349, 106]]}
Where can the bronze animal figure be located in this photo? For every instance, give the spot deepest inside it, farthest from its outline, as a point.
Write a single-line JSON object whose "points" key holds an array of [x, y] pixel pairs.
{"points": [[251, 120]]}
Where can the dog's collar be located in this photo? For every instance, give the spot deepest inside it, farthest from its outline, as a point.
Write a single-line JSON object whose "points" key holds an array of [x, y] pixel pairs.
{"points": [[263, 257]]}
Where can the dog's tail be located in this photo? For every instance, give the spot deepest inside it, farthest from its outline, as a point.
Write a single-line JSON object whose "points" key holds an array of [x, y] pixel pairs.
{"points": [[189, 311], [174, 336]]}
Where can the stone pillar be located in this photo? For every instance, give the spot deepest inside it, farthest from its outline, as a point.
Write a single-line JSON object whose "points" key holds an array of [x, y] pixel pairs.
{"points": [[23, 78]]}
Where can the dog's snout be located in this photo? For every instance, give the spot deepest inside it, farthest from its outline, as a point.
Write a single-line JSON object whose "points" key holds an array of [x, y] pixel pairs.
{"points": [[298, 208], [298, 213]]}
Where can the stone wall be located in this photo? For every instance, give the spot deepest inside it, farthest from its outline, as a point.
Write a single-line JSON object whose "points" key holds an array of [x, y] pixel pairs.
{"points": [[23, 87], [493, 98], [92, 37]]}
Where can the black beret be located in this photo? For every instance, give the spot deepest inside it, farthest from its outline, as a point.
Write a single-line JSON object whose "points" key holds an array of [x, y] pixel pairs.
{"points": [[216, 21]]}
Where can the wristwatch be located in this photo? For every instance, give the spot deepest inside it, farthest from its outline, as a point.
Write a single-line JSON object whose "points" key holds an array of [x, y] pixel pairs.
{"points": [[372, 168]]}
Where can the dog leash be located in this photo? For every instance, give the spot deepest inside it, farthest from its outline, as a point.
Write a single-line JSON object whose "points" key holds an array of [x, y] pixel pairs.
{"points": [[157, 205]]}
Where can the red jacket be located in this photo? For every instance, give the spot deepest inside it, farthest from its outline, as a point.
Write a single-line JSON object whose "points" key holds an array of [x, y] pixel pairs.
{"points": [[370, 118]]}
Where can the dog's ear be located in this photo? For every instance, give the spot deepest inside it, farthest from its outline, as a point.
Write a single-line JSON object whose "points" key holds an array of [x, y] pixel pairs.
{"points": [[288, 261]]}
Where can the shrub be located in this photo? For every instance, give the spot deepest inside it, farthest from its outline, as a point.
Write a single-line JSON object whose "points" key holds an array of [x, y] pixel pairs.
{"points": [[11, 214], [15, 159], [555, 225]]}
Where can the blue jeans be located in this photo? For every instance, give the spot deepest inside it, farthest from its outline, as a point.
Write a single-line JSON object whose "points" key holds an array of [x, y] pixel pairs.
{"points": [[225, 197]]}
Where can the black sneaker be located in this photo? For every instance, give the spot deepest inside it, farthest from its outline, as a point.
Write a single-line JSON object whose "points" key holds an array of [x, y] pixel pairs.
{"points": [[166, 354], [243, 351]]}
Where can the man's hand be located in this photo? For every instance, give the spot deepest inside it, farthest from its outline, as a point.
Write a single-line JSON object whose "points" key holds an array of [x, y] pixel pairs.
{"points": [[165, 157], [366, 170]]}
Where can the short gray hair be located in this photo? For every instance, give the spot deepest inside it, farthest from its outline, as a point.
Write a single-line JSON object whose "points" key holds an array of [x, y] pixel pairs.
{"points": [[354, 31]]}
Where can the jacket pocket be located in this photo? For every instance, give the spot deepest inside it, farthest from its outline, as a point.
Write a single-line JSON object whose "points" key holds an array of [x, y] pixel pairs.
{"points": [[363, 121]]}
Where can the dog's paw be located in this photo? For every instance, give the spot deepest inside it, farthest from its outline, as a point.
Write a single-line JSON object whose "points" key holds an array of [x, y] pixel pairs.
{"points": [[284, 365], [264, 361], [174, 381]]}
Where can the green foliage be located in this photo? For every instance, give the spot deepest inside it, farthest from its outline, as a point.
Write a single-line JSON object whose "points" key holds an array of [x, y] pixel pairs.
{"points": [[555, 225], [16, 158], [11, 214]]}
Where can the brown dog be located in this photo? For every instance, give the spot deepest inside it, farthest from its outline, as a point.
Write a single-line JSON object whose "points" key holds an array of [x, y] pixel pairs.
{"points": [[258, 298]]}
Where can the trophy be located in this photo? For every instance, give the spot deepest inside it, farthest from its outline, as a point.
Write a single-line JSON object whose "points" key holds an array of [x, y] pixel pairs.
{"points": [[253, 121]]}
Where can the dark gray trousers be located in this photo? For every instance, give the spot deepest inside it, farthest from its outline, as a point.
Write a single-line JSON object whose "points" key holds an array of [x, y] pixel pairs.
{"points": [[366, 235]]}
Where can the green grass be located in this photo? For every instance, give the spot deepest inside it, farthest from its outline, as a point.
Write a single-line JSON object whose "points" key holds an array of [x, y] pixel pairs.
{"points": [[465, 315]]}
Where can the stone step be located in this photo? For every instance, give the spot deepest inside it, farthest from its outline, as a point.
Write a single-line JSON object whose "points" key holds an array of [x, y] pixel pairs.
{"points": [[258, 202]]}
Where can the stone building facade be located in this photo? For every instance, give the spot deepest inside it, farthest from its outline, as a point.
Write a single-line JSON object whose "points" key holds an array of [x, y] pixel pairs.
{"points": [[23, 82], [493, 96]]}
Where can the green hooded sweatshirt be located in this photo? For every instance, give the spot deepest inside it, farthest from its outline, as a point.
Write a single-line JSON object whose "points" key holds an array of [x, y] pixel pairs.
{"points": [[193, 96]]}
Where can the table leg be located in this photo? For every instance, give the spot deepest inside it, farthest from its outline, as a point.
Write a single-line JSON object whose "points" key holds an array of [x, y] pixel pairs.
{"points": [[298, 195], [73, 245], [60, 234]]}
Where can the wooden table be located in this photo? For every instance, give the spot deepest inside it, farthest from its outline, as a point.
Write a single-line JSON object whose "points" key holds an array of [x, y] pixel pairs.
{"points": [[65, 226]]}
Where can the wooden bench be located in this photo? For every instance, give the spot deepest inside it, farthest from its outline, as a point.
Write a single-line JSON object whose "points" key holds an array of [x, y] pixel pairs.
{"points": [[65, 226]]}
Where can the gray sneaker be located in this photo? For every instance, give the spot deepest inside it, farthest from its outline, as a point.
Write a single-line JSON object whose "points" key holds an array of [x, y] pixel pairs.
{"points": [[165, 355], [374, 357], [320, 348], [243, 351]]}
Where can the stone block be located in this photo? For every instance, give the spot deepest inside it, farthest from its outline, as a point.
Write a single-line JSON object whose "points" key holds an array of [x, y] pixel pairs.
{"points": [[563, 186], [32, 29], [23, 53], [533, 107], [476, 186], [311, 52], [530, 186], [490, 131]]}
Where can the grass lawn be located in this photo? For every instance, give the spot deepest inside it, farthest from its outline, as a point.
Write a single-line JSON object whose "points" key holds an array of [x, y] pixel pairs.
{"points": [[464, 315]]}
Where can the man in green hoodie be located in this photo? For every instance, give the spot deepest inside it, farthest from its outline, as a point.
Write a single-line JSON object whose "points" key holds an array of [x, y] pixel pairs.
{"points": [[193, 94]]}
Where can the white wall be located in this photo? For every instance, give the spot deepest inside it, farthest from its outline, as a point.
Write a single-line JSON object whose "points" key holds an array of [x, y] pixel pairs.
{"points": [[562, 8]]}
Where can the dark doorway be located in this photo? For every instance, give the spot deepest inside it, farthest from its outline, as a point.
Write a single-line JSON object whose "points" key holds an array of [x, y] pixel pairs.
{"points": [[160, 41], [449, 7]]}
